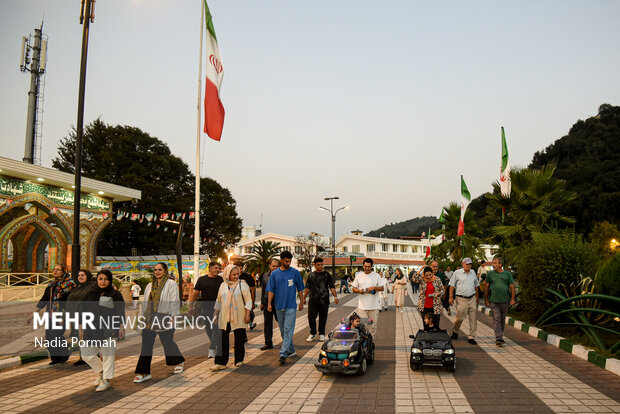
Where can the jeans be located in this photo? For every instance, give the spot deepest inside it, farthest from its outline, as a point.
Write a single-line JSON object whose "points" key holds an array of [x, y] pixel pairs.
{"points": [[344, 284], [499, 318], [213, 332], [315, 309], [286, 322]]}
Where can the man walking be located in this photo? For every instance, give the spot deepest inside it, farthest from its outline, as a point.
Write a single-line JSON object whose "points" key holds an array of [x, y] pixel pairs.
{"points": [[202, 301], [318, 286], [444, 281], [264, 303], [367, 284], [464, 285], [499, 283], [282, 285]]}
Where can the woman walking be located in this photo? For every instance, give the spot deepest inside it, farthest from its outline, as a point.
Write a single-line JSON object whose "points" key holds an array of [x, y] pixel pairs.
{"points": [[232, 310], [76, 301], [108, 307], [161, 299], [53, 300], [431, 292], [384, 294], [399, 289]]}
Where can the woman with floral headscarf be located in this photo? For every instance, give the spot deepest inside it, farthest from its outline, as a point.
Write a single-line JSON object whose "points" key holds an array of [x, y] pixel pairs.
{"points": [[232, 311], [161, 302], [53, 300]]}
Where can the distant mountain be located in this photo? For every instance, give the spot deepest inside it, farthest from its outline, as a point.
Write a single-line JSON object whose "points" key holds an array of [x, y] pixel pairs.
{"points": [[413, 227]]}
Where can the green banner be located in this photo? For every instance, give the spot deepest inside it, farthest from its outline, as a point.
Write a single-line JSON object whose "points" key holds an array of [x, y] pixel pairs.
{"points": [[10, 187]]}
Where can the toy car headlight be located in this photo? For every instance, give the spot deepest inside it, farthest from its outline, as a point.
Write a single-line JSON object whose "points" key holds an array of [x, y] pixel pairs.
{"points": [[352, 354], [449, 351], [323, 353], [416, 351]]}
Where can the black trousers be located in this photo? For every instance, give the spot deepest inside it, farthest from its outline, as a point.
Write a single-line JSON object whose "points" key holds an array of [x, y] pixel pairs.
{"points": [[268, 321], [430, 311], [222, 354], [315, 309], [57, 353], [171, 350]]}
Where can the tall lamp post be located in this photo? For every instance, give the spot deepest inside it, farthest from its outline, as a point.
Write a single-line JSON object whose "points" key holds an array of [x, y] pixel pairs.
{"points": [[333, 215], [87, 16]]}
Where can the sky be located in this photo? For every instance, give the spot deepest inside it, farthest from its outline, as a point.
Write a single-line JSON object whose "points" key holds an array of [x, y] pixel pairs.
{"points": [[383, 104]]}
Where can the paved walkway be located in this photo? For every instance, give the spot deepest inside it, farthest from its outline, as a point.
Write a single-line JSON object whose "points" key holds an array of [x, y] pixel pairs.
{"points": [[527, 375]]}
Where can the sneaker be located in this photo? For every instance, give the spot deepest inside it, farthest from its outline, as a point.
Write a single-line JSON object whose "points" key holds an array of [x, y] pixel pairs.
{"points": [[218, 367], [498, 343], [472, 341], [211, 354], [502, 341], [266, 347], [79, 362], [292, 354], [454, 336], [141, 378], [321, 337], [282, 360], [105, 384], [98, 379], [310, 338], [238, 364]]}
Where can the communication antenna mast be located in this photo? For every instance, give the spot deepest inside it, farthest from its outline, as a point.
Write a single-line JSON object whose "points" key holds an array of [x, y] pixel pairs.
{"points": [[37, 46]]}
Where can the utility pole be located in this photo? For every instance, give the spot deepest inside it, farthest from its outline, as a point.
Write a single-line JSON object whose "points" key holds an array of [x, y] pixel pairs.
{"points": [[87, 16], [36, 69]]}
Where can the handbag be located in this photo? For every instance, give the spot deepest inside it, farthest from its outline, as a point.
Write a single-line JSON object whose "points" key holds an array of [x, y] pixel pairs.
{"points": [[251, 310]]}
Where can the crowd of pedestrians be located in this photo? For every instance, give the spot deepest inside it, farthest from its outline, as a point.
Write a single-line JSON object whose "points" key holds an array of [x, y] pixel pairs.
{"points": [[227, 299]]}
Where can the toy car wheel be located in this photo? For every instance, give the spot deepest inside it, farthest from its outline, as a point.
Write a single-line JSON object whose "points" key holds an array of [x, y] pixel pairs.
{"points": [[452, 367], [371, 355], [414, 367], [363, 367]]}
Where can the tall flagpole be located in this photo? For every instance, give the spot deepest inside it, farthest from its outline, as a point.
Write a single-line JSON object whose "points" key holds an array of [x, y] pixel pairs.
{"points": [[198, 107]]}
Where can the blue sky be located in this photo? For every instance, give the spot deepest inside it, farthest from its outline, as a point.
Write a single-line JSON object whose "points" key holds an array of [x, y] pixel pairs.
{"points": [[384, 104]]}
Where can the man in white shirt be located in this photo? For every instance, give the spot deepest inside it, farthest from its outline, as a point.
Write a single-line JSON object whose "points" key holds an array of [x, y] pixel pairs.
{"points": [[464, 286], [367, 284]]}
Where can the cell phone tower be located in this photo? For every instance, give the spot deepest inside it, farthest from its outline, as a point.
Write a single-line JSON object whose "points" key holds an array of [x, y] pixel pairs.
{"points": [[37, 47]]}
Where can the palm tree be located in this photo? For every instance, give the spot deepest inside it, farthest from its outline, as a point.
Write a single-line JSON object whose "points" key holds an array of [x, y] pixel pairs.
{"points": [[452, 247], [533, 206], [262, 253]]}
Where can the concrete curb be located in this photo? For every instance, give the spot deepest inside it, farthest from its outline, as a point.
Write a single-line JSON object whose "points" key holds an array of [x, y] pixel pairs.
{"points": [[587, 354], [39, 355]]}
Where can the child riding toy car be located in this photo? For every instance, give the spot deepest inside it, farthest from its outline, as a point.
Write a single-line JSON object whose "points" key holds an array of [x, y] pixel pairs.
{"points": [[349, 348]]}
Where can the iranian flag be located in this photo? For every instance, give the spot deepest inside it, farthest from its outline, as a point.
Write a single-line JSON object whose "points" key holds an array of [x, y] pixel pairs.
{"points": [[214, 110], [465, 198], [428, 248], [504, 174]]}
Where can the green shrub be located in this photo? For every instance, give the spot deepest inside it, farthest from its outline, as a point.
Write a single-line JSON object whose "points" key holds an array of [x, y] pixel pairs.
{"points": [[117, 284], [549, 260], [607, 280], [142, 282]]}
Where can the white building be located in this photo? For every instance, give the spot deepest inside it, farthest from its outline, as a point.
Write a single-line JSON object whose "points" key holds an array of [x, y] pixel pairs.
{"points": [[290, 243]]}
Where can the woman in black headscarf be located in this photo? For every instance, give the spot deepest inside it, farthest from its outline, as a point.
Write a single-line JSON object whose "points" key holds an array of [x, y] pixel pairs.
{"points": [[76, 300], [108, 307]]}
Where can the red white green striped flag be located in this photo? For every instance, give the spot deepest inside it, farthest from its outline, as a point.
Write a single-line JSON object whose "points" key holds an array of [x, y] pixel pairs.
{"points": [[465, 198], [504, 173], [428, 248], [214, 110]]}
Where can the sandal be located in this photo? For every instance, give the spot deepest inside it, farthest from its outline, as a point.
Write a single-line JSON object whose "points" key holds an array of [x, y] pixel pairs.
{"points": [[141, 378], [179, 368]]}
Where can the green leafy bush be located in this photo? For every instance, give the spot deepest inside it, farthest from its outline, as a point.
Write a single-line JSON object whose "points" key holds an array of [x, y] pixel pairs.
{"points": [[142, 282], [607, 280], [549, 260]]}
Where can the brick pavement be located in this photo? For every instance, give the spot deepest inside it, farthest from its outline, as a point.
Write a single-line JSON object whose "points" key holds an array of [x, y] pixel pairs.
{"points": [[527, 375]]}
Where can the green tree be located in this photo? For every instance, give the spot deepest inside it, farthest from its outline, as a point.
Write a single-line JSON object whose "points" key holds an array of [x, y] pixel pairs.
{"points": [[602, 236], [588, 159], [129, 157], [262, 253], [451, 249], [533, 207]]}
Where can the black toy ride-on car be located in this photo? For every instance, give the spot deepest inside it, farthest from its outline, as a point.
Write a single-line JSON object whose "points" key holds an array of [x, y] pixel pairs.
{"points": [[432, 348], [347, 350]]}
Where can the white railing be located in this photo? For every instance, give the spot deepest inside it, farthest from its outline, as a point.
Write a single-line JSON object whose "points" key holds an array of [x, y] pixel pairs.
{"points": [[24, 279]]}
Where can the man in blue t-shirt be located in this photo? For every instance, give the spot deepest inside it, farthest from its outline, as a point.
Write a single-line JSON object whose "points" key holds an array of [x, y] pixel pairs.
{"points": [[283, 283]]}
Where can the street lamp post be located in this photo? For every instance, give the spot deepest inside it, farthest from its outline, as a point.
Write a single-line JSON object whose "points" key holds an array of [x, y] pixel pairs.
{"points": [[333, 216], [87, 16]]}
